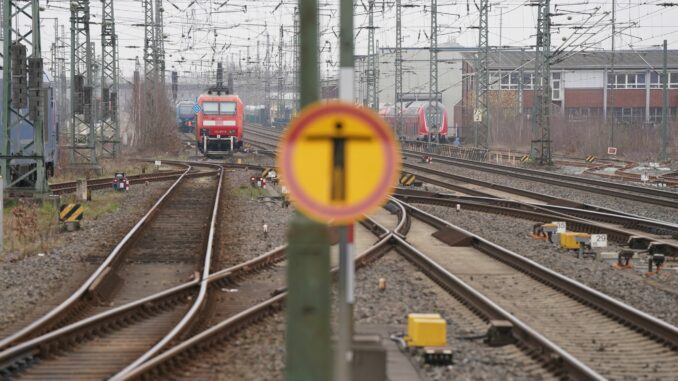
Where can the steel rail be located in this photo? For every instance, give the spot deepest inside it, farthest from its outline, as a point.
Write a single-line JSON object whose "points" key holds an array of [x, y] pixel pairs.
{"points": [[241, 320], [45, 344], [95, 278], [608, 192], [548, 352], [626, 221], [556, 178], [198, 303], [659, 329]]}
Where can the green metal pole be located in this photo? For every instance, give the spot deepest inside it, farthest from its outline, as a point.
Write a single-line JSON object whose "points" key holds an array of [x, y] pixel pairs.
{"points": [[663, 138], [308, 254]]}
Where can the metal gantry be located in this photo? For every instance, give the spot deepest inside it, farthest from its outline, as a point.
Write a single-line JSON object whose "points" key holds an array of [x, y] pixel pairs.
{"points": [[109, 134], [541, 121], [433, 116], [481, 115], [371, 60], [22, 155], [398, 105], [83, 134]]}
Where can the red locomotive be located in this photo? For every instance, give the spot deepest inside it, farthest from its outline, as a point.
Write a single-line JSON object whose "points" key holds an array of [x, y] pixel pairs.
{"points": [[220, 123], [418, 121], [219, 127]]}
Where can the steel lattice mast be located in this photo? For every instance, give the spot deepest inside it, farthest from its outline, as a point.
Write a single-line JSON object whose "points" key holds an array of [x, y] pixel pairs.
{"points": [[83, 134], [159, 42], [371, 62], [481, 115], [150, 73], [433, 118], [22, 101], [295, 65], [110, 128], [398, 105], [281, 78], [541, 121]]}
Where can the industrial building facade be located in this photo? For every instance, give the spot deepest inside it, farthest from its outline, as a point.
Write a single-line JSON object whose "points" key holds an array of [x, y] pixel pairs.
{"points": [[585, 86]]}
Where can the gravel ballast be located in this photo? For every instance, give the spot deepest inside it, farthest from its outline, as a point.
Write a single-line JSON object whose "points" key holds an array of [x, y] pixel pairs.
{"points": [[243, 213], [514, 234], [260, 349], [34, 283], [611, 202]]}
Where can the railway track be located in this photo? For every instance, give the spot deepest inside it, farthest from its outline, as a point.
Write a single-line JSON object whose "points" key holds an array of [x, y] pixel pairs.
{"points": [[146, 261], [185, 354], [636, 193], [105, 183], [585, 335], [598, 336]]}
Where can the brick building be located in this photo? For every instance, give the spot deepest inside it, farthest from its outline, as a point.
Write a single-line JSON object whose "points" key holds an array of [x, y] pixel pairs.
{"points": [[584, 86]]}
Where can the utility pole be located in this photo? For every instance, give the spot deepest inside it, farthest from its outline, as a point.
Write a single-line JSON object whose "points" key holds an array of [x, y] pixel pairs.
{"points": [[307, 309], [18, 94], [175, 85], [371, 62], [110, 128], [481, 115], [663, 136], [83, 134], [541, 122], [611, 87], [377, 73], [433, 121], [267, 81], [295, 64], [63, 83], [397, 103], [281, 78], [136, 104]]}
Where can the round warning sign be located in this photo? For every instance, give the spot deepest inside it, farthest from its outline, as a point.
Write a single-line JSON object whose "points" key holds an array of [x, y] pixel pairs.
{"points": [[338, 161]]}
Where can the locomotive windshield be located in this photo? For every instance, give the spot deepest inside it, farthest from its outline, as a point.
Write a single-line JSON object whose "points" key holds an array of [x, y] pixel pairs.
{"points": [[186, 109], [218, 108], [227, 108], [210, 108]]}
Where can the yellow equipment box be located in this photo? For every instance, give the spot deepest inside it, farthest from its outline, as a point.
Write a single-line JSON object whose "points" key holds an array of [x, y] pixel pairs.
{"points": [[426, 330], [571, 240]]}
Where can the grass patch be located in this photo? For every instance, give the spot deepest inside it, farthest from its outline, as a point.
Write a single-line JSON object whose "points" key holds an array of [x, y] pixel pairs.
{"points": [[246, 191], [32, 226]]}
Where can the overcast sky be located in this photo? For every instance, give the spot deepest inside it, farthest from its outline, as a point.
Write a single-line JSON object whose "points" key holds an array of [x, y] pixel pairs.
{"points": [[201, 30]]}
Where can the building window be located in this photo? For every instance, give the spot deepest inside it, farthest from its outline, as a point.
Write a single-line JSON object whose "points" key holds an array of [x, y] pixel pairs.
{"points": [[555, 86], [673, 80], [627, 81], [527, 81], [656, 114], [656, 80], [628, 115], [510, 81]]}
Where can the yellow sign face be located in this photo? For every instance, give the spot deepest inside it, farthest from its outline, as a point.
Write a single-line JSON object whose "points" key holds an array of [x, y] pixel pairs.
{"points": [[338, 161]]}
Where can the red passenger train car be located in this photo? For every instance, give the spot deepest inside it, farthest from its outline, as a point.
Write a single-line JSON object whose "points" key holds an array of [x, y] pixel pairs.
{"points": [[417, 121], [220, 123]]}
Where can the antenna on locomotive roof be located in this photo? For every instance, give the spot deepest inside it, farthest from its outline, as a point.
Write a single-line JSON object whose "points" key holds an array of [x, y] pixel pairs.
{"points": [[219, 88]]}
